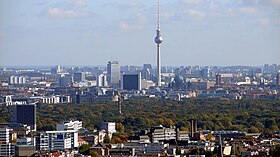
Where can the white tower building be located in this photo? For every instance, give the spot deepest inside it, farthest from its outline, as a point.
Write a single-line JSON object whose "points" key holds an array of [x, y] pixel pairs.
{"points": [[158, 40]]}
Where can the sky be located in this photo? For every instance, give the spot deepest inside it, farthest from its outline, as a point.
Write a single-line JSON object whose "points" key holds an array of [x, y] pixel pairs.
{"points": [[92, 32]]}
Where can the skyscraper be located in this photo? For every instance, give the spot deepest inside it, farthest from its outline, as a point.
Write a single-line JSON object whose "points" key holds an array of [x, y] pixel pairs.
{"points": [[158, 40], [79, 77], [131, 81], [278, 80], [218, 80], [65, 81], [101, 80], [113, 74], [26, 114]]}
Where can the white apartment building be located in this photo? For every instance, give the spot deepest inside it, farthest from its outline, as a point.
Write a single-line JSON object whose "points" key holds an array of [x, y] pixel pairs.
{"points": [[59, 140], [6, 148], [70, 125], [161, 133]]}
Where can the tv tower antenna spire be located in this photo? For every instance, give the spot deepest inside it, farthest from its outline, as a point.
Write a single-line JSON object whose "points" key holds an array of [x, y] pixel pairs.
{"points": [[158, 40], [158, 16]]}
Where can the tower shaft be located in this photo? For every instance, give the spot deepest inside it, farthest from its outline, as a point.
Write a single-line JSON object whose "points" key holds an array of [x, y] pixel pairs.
{"points": [[158, 65]]}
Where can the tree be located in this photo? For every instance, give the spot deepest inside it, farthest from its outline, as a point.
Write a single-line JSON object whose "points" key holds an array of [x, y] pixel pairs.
{"points": [[178, 150], [106, 138], [84, 149], [275, 151], [94, 154], [116, 140], [237, 151], [184, 129], [253, 129], [119, 127], [168, 122], [274, 128], [209, 137]]}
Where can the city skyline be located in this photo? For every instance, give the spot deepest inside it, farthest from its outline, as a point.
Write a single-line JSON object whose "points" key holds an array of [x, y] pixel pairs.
{"points": [[197, 32]]}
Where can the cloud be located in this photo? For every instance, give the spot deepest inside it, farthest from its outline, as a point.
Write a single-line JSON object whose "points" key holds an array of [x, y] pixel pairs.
{"points": [[57, 12], [264, 22], [257, 2], [191, 1], [167, 15], [134, 5], [79, 2], [124, 25], [248, 10], [213, 5], [249, 2], [195, 13], [124, 6], [276, 2], [141, 18], [136, 23]]}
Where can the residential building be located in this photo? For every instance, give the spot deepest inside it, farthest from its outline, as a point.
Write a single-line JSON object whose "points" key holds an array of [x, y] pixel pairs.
{"points": [[69, 125], [160, 133], [57, 140], [42, 141], [6, 147]]}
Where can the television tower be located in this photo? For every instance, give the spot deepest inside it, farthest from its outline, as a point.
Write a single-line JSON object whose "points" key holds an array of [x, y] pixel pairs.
{"points": [[158, 40]]}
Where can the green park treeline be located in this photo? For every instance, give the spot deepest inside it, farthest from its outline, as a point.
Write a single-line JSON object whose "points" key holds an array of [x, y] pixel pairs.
{"points": [[252, 115]]}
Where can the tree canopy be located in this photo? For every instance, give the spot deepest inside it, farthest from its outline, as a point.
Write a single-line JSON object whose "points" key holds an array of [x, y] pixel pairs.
{"points": [[255, 115]]}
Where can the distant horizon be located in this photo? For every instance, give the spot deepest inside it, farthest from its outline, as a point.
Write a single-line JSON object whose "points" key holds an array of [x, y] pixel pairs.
{"points": [[91, 66]]}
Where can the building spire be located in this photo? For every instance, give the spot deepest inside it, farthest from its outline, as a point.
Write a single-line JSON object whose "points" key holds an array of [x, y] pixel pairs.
{"points": [[158, 16], [158, 38]]}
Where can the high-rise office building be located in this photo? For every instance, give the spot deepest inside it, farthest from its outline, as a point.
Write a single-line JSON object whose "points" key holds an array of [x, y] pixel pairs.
{"points": [[131, 81], [146, 74], [113, 74], [79, 77], [26, 114], [218, 79], [101, 80], [266, 69], [278, 80], [56, 70], [65, 81], [147, 66]]}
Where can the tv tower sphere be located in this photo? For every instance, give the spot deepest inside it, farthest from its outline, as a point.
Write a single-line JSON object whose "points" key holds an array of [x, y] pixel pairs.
{"points": [[158, 38]]}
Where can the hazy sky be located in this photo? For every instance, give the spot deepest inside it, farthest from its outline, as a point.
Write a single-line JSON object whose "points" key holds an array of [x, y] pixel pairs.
{"points": [[92, 32]]}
